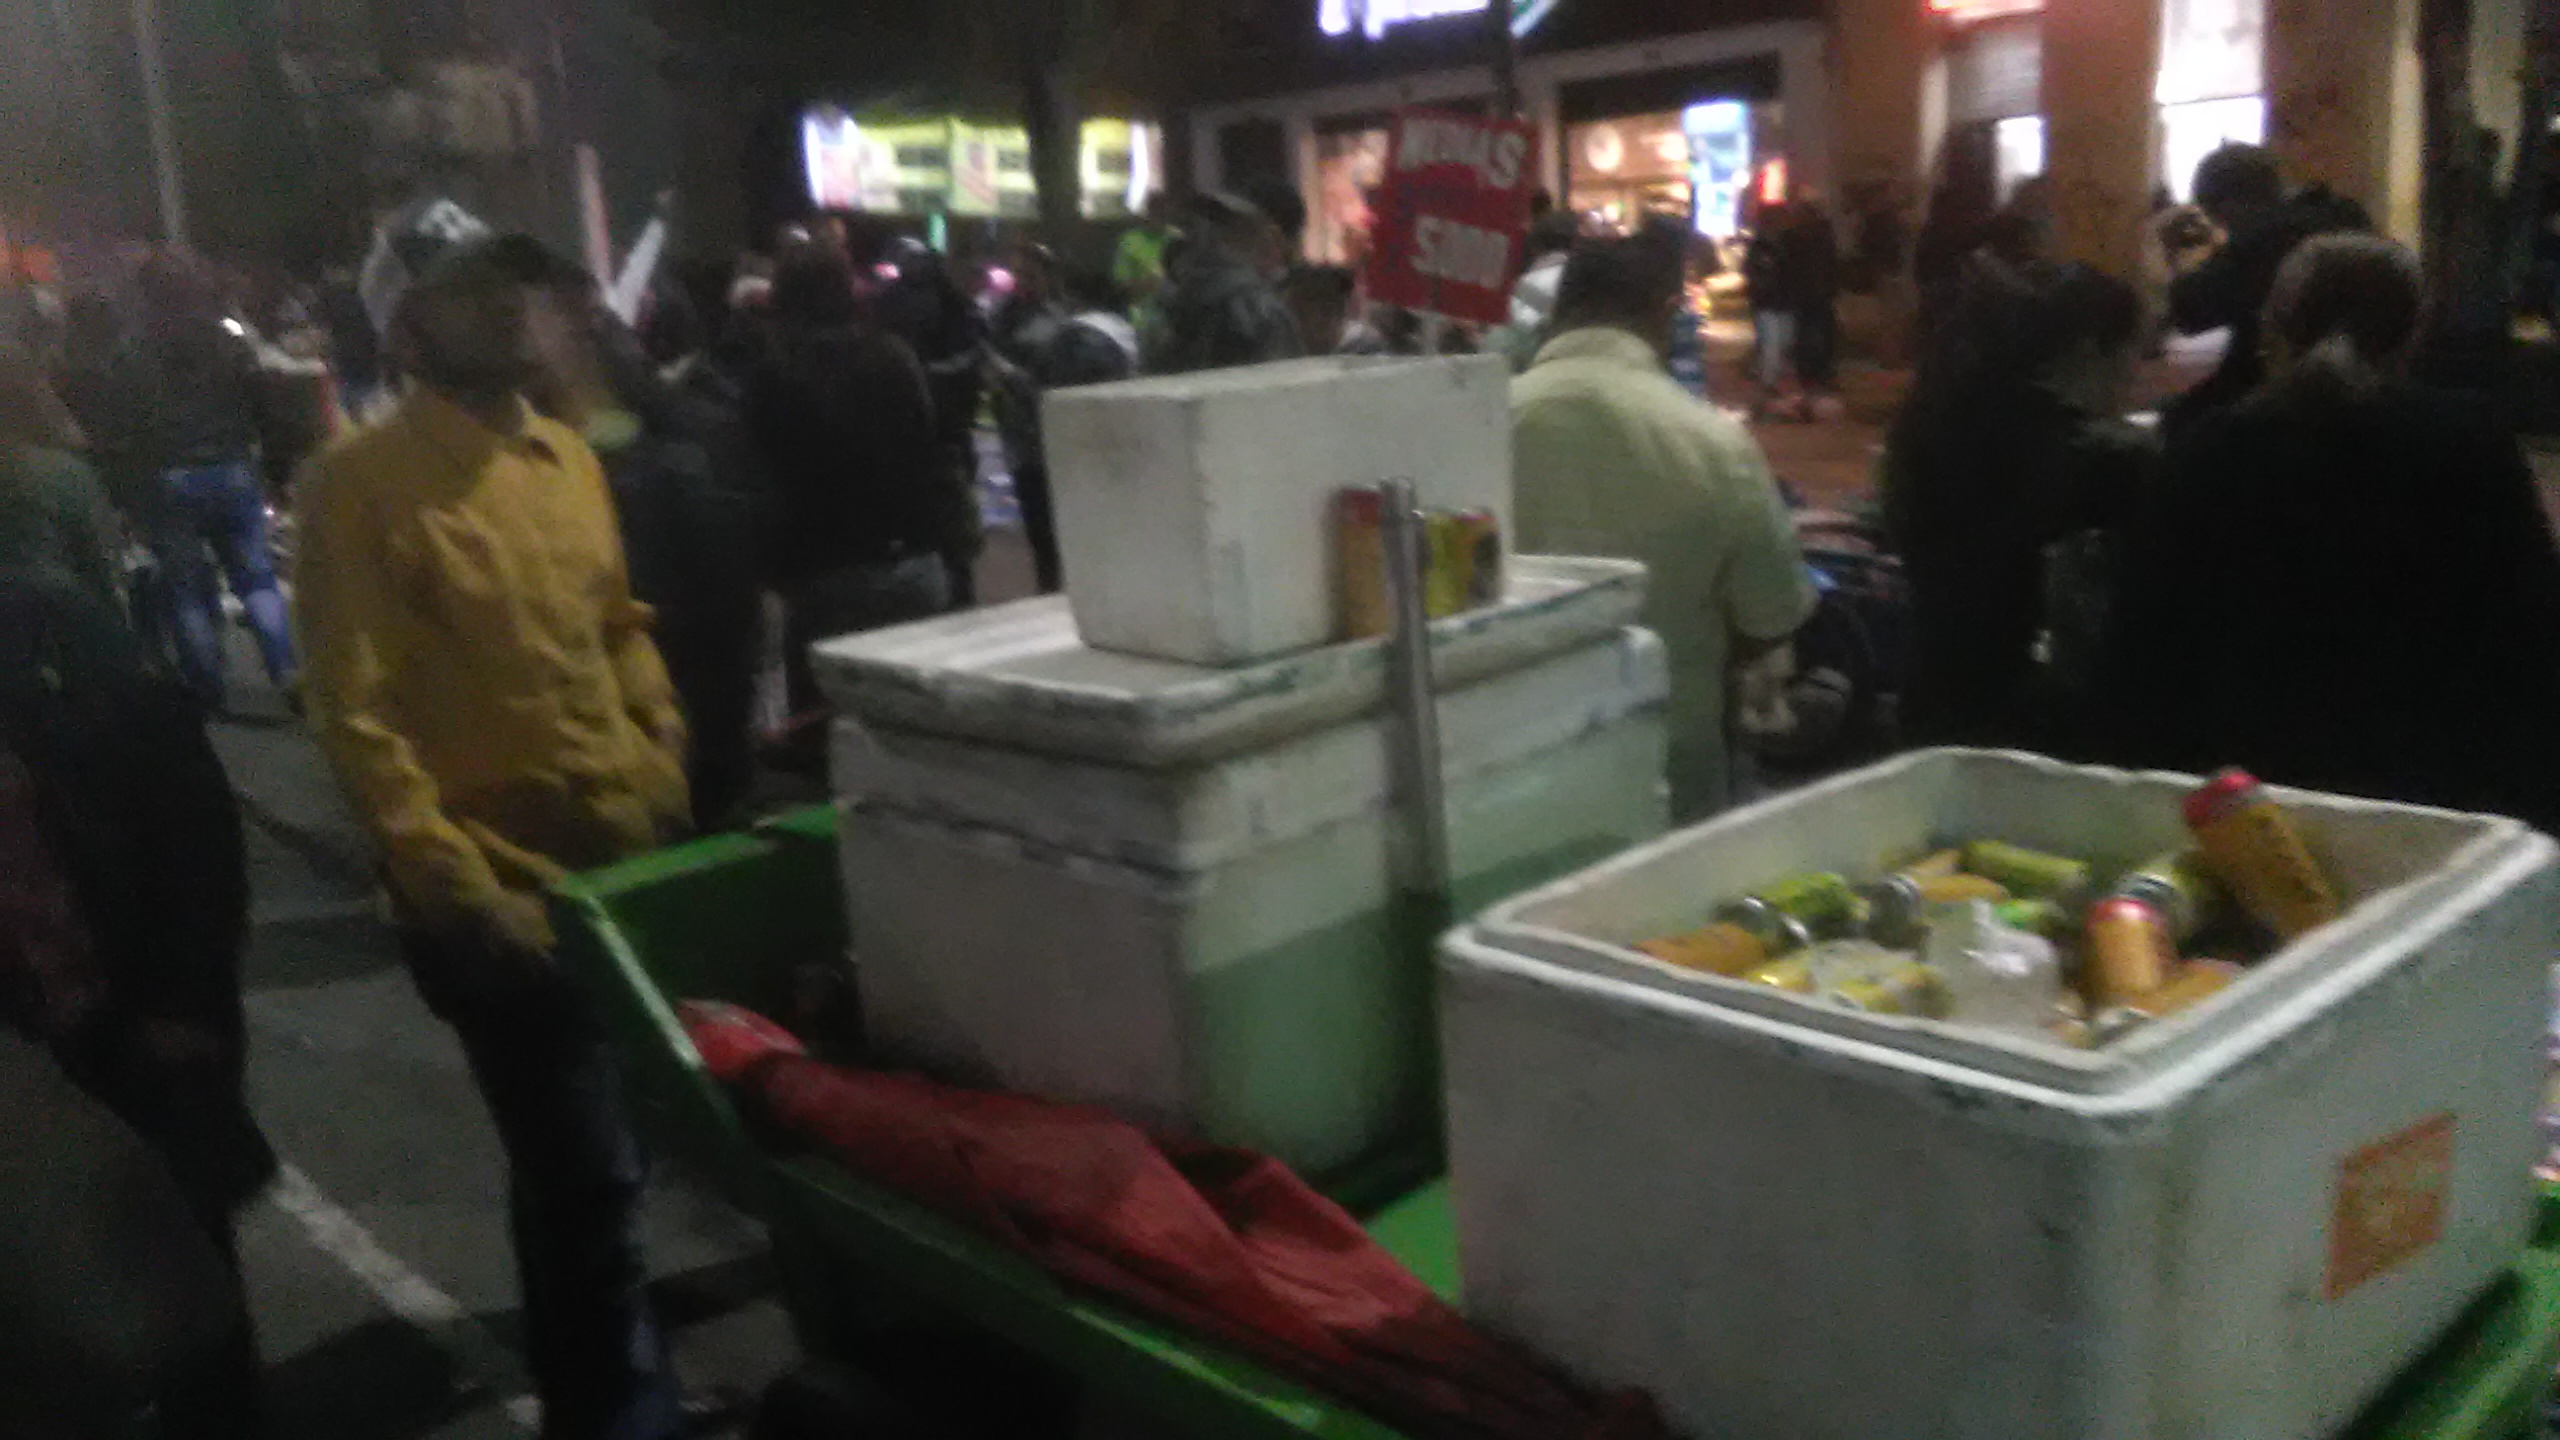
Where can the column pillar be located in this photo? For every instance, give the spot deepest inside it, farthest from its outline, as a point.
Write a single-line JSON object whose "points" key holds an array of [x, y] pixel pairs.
{"points": [[1807, 90], [1543, 104], [1881, 54], [2101, 67], [2341, 98]]}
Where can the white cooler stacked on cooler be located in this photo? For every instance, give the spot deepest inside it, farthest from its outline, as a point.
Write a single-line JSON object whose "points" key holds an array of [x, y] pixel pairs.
{"points": [[1168, 889], [1137, 846], [1788, 1220]]}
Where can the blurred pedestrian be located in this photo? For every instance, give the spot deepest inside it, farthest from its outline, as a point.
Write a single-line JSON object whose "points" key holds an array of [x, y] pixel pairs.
{"points": [[2008, 444], [1813, 246], [1221, 304], [1023, 328], [484, 685], [2349, 583], [1533, 296], [1612, 457], [862, 488], [1773, 281], [1138, 261], [200, 380], [1322, 299], [2226, 286], [144, 1012], [53, 512], [926, 308]]}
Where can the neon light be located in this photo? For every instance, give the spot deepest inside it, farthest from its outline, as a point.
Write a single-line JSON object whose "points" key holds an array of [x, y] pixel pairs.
{"points": [[1962, 11], [1374, 18]]}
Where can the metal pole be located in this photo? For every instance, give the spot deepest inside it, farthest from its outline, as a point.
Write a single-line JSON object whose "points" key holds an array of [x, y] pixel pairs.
{"points": [[1506, 59], [164, 139], [1413, 707]]}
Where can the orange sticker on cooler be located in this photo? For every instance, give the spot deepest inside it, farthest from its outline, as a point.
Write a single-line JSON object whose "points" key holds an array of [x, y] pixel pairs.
{"points": [[2391, 1199]]}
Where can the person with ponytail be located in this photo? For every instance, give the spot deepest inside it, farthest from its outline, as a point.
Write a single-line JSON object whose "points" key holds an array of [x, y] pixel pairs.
{"points": [[2348, 581]]}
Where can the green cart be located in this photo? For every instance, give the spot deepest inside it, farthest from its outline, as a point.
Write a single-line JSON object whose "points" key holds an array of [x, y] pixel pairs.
{"points": [[730, 918]]}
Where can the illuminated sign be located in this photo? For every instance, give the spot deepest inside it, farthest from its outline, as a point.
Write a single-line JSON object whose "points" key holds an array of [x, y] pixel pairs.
{"points": [[1374, 18], [1963, 11]]}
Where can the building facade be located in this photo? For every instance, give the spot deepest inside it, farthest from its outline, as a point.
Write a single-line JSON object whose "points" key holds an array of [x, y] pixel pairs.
{"points": [[1646, 107]]}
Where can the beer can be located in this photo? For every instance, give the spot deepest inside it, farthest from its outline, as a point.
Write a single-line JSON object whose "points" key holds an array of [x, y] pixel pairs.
{"points": [[2028, 873], [2252, 845], [2175, 884], [1794, 976], [2036, 917], [1911, 989], [1719, 949], [1360, 564], [2193, 983], [1781, 933], [1826, 904], [2130, 952], [1485, 578], [1898, 906]]}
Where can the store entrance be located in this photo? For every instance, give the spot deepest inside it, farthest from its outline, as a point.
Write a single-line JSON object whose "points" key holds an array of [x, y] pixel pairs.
{"points": [[1691, 144]]}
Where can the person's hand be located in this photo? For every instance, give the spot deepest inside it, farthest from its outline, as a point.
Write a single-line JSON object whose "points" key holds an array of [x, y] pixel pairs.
{"points": [[518, 923]]}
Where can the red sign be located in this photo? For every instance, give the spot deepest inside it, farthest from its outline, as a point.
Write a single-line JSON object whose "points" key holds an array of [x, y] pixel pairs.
{"points": [[1452, 215]]}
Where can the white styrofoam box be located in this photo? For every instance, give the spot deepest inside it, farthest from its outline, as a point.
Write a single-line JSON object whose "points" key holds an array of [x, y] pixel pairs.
{"points": [[1783, 1219], [1219, 949], [1019, 675], [1195, 512]]}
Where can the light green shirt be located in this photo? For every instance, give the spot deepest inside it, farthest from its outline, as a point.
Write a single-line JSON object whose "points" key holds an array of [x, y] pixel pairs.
{"points": [[1613, 458]]}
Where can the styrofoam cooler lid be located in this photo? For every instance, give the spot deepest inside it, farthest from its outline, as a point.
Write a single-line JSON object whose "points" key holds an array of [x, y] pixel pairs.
{"points": [[1193, 819], [1019, 675], [2412, 871]]}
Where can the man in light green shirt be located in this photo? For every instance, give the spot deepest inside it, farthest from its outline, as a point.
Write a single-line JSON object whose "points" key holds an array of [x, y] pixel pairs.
{"points": [[1613, 458]]}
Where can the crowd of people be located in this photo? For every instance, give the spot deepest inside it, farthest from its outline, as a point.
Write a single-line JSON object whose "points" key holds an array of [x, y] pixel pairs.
{"points": [[2314, 565], [530, 605]]}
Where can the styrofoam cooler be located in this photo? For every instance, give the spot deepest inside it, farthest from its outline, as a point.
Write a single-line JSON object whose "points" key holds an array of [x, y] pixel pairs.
{"points": [[1788, 1220], [1194, 510], [1206, 938]]}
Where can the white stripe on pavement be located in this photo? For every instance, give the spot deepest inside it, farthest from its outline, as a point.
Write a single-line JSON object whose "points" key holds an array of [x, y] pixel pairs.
{"points": [[481, 1360]]}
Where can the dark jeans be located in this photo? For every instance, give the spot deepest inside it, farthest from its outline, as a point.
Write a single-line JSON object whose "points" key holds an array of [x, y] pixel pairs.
{"points": [[1039, 523], [576, 1176], [852, 600], [221, 511], [1818, 347]]}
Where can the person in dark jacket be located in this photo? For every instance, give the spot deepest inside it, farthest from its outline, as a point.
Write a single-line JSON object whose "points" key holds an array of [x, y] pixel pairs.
{"points": [[1769, 278], [1221, 305], [2241, 189], [862, 484], [140, 819], [926, 308], [200, 383], [2008, 444], [687, 499], [1019, 336], [53, 512], [1813, 249], [2348, 583]]}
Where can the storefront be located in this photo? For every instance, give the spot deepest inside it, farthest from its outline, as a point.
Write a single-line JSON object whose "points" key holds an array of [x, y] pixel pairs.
{"points": [[1631, 122], [2210, 91]]}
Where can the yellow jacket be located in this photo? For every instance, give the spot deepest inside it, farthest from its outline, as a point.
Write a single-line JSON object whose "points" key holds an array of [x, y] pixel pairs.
{"points": [[477, 671]]}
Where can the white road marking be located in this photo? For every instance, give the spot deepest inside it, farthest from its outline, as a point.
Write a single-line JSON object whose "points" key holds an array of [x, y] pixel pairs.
{"points": [[481, 1360]]}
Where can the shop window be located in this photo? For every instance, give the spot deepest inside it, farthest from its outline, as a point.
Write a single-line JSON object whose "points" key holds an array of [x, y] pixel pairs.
{"points": [[2018, 148], [924, 157]]}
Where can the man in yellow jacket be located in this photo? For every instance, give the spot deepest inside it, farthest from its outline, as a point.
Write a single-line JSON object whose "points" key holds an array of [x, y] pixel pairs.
{"points": [[486, 689]]}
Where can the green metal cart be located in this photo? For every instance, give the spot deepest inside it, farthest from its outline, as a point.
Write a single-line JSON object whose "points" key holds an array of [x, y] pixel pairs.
{"points": [[729, 918]]}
